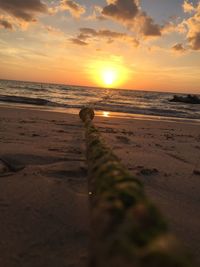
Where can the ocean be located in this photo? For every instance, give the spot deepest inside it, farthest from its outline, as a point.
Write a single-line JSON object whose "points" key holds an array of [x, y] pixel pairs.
{"points": [[67, 98]]}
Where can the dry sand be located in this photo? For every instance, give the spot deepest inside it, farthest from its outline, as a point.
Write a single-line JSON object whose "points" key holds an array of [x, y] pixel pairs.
{"points": [[166, 157], [44, 214], [43, 206]]}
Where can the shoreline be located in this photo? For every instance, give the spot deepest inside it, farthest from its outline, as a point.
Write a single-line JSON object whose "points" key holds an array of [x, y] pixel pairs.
{"points": [[44, 203], [101, 113]]}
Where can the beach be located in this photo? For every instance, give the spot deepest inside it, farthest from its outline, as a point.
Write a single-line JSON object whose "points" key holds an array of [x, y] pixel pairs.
{"points": [[44, 205], [45, 217]]}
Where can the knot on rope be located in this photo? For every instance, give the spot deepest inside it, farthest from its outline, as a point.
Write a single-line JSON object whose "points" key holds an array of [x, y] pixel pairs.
{"points": [[86, 113]]}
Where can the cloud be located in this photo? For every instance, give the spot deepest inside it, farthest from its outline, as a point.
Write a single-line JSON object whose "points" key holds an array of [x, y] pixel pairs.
{"points": [[195, 41], [189, 27], [172, 27], [188, 7], [124, 10], [77, 41], [25, 10], [88, 31], [148, 27], [52, 30], [101, 33], [193, 27], [178, 48], [9, 22], [87, 35], [73, 7], [97, 14], [130, 14], [111, 34], [5, 24]]}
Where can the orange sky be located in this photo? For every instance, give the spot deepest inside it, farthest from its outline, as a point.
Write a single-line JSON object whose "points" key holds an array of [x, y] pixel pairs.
{"points": [[148, 45]]}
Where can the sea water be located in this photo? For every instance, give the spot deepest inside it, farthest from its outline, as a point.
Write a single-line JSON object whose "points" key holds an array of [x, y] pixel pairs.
{"points": [[66, 97]]}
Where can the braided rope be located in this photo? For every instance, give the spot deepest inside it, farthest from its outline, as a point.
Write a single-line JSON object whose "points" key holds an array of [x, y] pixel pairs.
{"points": [[127, 229]]}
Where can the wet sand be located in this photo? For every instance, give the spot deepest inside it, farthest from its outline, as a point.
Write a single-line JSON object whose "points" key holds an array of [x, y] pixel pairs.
{"points": [[44, 210]]}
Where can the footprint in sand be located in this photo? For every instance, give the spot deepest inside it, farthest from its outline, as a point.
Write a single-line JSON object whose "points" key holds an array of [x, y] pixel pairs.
{"points": [[3, 168], [67, 174], [35, 135], [141, 170], [177, 157], [148, 172], [8, 167], [123, 139], [129, 133], [196, 172]]}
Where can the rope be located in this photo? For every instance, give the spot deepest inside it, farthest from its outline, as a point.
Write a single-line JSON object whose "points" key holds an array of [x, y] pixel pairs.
{"points": [[127, 229], [108, 96]]}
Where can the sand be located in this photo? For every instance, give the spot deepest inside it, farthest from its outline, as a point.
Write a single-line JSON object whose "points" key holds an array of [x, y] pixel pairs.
{"points": [[44, 218], [44, 207], [165, 155]]}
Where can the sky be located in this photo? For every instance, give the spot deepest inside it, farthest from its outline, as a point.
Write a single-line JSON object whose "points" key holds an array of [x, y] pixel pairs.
{"points": [[131, 44]]}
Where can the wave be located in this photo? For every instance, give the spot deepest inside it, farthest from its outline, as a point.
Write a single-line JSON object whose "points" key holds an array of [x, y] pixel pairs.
{"points": [[29, 100], [114, 100], [29, 88], [117, 107]]}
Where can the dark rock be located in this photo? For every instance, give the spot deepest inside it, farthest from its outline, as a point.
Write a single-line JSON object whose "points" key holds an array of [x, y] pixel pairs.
{"points": [[189, 99]]}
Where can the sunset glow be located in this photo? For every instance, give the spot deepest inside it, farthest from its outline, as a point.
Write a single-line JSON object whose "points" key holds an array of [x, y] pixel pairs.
{"points": [[129, 44]]}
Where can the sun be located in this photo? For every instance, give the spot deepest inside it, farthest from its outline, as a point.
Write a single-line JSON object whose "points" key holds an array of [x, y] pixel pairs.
{"points": [[109, 76]]}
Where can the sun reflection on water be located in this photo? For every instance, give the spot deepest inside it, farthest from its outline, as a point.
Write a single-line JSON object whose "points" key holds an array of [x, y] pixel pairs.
{"points": [[106, 114]]}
